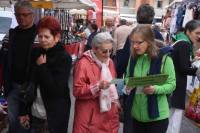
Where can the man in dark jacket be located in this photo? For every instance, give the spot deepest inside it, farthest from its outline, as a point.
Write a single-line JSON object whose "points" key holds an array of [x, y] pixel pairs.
{"points": [[16, 52]]}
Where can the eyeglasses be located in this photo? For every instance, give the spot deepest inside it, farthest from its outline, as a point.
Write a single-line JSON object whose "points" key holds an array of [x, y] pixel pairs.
{"points": [[23, 14], [105, 51], [137, 42]]}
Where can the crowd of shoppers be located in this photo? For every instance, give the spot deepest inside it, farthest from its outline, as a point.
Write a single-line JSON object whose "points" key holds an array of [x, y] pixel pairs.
{"points": [[36, 73]]}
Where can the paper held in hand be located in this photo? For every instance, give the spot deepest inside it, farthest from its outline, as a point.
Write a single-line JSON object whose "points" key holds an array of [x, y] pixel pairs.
{"points": [[116, 81], [157, 79]]}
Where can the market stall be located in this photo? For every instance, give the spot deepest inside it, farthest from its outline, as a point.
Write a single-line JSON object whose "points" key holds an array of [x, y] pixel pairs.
{"points": [[182, 12]]}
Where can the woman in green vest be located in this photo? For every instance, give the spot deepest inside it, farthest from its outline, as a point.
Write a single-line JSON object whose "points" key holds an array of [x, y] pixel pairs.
{"points": [[149, 109]]}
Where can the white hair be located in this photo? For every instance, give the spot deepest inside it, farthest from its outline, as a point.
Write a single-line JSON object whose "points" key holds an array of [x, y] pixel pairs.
{"points": [[101, 38]]}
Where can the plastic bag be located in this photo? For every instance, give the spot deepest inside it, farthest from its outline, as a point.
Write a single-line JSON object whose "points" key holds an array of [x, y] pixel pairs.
{"points": [[193, 109]]}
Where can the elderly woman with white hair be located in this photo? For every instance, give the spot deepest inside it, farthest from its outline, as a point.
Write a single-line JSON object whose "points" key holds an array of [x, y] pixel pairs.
{"points": [[92, 89]]}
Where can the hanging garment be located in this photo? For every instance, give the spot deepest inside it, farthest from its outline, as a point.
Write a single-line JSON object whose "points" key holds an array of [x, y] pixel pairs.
{"points": [[180, 17], [188, 16], [173, 28]]}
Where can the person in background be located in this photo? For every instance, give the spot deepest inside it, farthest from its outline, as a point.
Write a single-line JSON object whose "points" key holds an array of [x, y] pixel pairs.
{"points": [[167, 20], [94, 31], [51, 67], [15, 52], [92, 75], [120, 35], [166, 25], [109, 26], [145, 15], [183, 55], [149, 105], [87, 30]]}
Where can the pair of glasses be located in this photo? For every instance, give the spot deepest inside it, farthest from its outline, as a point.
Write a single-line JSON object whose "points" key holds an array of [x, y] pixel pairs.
{"points": [[105, 51], [137, 42], [23, 14]]}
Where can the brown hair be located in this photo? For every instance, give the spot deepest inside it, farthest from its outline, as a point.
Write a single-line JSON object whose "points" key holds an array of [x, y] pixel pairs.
{"points": [[146, 33]]}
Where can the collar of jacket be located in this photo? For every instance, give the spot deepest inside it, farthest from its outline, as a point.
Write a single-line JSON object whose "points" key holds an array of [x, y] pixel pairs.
{"points": [[184, 37]]}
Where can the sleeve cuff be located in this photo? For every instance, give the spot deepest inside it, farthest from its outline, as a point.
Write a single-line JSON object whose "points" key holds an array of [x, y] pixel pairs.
{"points": [[94, 89]]}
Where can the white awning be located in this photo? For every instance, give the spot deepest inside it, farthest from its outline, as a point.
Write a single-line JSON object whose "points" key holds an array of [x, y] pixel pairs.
{"points": [[112, 13], [76, 11], [74, 4]]}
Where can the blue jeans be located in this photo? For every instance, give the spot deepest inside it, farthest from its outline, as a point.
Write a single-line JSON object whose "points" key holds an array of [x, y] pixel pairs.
{"points": [[13, 111]]}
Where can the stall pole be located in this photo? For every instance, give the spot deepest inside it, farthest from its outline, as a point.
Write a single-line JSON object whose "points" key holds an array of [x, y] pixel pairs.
{"points": [[102, 14]]}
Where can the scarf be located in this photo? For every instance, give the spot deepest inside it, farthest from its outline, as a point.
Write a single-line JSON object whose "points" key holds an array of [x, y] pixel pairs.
{"points": [[106, 75]]}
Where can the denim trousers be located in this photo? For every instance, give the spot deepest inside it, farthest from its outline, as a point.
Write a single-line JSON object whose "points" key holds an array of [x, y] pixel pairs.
{"points": [[13, 111]]}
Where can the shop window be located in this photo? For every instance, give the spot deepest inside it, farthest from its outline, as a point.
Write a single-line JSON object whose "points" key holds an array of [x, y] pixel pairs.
{"points": [[105, 2], [159, 4], [109, 3], [126, 2], [113, 2]]}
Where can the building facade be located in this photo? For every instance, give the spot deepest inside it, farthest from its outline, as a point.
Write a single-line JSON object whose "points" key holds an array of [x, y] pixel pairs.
{"points": [[129, 7]]}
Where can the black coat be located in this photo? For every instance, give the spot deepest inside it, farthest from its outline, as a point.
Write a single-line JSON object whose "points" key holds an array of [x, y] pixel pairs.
{"points": [[23, 40], [52, 77], [182, 64]]}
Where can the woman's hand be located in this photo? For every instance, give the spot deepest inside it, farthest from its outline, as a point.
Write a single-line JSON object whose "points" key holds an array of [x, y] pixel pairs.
{"points": [[24, 121], [104, 84], [127, 90], [41, 60], [117, 103], [197, 55], [149, 90]]}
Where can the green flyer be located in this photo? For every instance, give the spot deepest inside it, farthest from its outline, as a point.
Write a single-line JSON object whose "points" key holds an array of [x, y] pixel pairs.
{"points": [[157, 79]]}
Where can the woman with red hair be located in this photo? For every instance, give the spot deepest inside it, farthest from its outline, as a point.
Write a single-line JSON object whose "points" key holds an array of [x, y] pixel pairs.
{"points": [[51, 69]]}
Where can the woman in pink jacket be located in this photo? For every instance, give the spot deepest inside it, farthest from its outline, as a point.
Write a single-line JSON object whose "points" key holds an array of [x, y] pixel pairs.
{"points": [[92, 89]]}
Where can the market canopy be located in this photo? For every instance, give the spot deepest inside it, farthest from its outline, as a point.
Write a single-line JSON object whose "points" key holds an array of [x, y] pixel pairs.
{"points": [[67, 4], [76, 11], [74, 4]]}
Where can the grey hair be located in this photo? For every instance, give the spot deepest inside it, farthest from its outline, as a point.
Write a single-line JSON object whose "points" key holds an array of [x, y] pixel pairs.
{"points": [[24, 4], [101, 38]]}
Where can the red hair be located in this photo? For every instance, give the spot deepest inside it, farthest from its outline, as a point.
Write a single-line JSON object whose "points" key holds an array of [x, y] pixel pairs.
{"points": [[50, 23]]}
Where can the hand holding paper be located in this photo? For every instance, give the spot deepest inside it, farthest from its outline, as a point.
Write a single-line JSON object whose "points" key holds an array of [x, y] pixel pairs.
{"points": [[116, 81], [104, 84], [148, 90]]}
